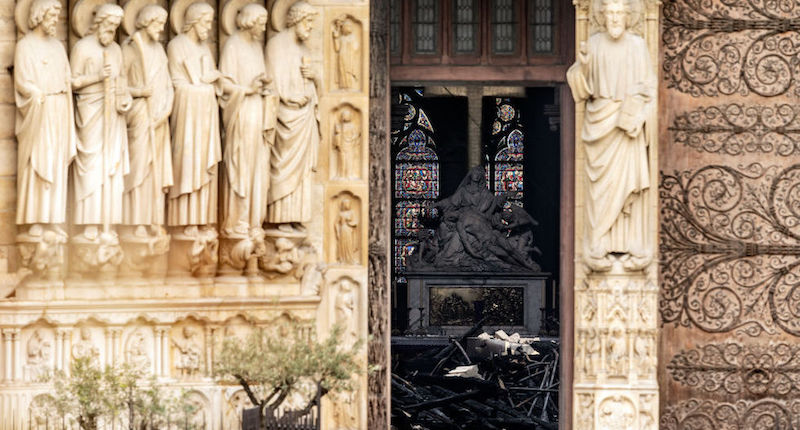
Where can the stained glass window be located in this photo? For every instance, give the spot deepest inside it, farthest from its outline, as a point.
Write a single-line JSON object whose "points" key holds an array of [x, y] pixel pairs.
{"points": [[465, 26], [416, 173], [506, 151], [541, 19], [425, 23], [504, 27]]}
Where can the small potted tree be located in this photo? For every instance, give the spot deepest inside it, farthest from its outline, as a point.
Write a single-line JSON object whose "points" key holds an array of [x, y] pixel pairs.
{"points": [[271, 367]]}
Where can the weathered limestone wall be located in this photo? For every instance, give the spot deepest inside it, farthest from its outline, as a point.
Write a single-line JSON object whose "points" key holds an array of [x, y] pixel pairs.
{"points": [[174, 324]]}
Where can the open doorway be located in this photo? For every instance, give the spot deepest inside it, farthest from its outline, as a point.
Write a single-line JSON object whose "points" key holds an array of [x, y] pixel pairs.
{"points": [[438, 134]]}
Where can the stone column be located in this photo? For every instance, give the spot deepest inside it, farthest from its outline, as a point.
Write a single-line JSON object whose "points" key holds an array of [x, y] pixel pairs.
{"points": [[16, 355], [8, 357], [615, 309], [209, 343], [164, 338], [156, 351]]}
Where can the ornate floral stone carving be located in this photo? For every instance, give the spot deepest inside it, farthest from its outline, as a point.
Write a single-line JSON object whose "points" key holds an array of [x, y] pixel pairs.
{"points": [[616, 186]]}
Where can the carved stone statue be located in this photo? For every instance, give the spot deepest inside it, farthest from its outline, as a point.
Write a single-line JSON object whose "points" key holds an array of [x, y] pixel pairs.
{"points": [[195, 118], [150, 86], [476, 232], [84, 347], [294, 154], [246, 105], [346, 230], [347, 142], [615, 78], [189, 353], [348, 58], [45, 127], [39, 351], [101, 102]]}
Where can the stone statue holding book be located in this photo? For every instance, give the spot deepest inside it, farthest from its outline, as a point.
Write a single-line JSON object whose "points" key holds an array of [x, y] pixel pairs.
{"points": [[616, 80]]}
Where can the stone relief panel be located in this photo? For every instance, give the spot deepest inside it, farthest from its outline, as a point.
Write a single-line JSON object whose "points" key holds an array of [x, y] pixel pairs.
{"points": [[87, 339], [617, 413], [347, 35], [139, 347], [40, 351], [188, 341], [347, 133], [234, 405], [733, 47], [346, 215]]}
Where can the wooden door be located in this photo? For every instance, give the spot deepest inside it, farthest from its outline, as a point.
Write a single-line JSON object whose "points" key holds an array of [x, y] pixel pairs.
{"points": [[730, 215]]}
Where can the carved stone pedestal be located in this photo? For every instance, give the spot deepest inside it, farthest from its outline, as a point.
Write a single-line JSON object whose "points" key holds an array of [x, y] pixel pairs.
{"points": [[616, 335], [95, 255], [239, 253], [287, 254], [42, 252], [193, 252], [144, 255]]}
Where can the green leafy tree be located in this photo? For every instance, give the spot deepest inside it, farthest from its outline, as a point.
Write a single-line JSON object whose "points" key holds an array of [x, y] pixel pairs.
{"points": [[271, 367], [93, 395]]}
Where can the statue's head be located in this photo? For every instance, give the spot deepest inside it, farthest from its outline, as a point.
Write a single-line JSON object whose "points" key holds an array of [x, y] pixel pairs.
{"points": [[86, 334], [199, 17], [105, 22], [151, 19], [346, 115], [345, 205], [615, 14], [188, 333], [253, 18], [301, 17], [44, 13]]}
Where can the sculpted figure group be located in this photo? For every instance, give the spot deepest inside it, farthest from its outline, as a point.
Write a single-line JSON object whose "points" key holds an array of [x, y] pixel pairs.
{"points": [[134, 129]]}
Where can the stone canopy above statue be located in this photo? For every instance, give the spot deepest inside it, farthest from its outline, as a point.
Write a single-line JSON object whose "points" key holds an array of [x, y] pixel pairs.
{"points": [[475, 230]]}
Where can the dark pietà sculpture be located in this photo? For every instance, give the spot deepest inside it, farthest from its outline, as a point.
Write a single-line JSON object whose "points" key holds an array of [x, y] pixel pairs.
{"points": [[475, 231]]}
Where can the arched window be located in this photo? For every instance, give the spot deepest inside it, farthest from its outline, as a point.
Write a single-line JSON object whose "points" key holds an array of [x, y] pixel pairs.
{"points": [[416, 173], [505, 152]]}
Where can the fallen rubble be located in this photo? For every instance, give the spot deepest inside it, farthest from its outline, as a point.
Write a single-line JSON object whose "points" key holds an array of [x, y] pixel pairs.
{"points": [[478, 381]]}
